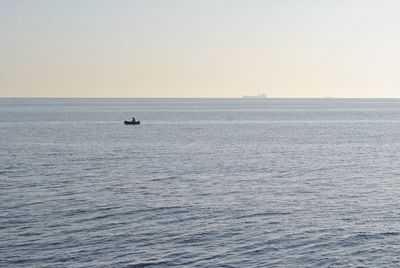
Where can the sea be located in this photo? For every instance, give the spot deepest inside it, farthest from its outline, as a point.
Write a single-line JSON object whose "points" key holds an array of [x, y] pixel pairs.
{"points": [[200, 183]]}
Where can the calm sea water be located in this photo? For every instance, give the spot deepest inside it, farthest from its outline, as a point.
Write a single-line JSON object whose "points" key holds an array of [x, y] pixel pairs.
{"points": [[201, 183]]}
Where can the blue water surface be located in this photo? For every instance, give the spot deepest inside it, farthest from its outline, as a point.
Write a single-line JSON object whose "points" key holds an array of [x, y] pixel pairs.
{"points": [[200, 183]]}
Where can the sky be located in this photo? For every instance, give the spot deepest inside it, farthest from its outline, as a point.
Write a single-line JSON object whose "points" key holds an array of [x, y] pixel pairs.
{"points": [[207, 48]]}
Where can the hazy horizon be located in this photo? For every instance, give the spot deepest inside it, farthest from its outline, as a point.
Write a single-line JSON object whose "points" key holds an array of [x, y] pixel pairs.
{"points": [[202, 49], [211, 98]]}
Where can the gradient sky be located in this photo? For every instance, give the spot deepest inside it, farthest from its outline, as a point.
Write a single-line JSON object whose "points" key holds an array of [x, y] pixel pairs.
{"points": [[205, 48]]}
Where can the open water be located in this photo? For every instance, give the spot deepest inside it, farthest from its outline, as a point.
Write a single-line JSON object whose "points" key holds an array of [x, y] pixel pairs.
{"points": [[200, 183]]}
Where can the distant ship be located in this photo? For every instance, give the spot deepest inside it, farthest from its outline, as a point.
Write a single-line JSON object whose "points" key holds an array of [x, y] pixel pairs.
{"points": [[261, 96]]}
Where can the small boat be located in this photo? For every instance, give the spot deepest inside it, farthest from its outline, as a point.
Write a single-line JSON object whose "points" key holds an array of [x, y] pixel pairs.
{"points": [[132, 122]]}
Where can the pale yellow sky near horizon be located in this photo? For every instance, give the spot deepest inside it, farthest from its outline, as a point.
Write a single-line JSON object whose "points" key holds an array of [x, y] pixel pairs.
{"points": [[208, 48]]}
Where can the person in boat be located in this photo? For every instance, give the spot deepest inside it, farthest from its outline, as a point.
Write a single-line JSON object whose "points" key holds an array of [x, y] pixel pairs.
{"points": [[133, 119]]}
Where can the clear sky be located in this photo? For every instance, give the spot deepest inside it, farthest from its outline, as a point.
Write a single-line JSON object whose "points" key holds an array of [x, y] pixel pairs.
{"points": [[204, 48]]}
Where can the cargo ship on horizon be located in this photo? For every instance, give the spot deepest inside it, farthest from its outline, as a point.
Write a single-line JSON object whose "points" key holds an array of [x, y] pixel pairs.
{"points": [[260, 96]]}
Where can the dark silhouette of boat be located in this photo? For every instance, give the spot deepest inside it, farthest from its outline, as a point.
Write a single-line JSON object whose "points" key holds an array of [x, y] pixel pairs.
{"points": [[132, 122]]}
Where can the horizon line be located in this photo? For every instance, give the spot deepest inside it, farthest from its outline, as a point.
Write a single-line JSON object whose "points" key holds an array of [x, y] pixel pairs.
{"points": [[322, 98]]}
